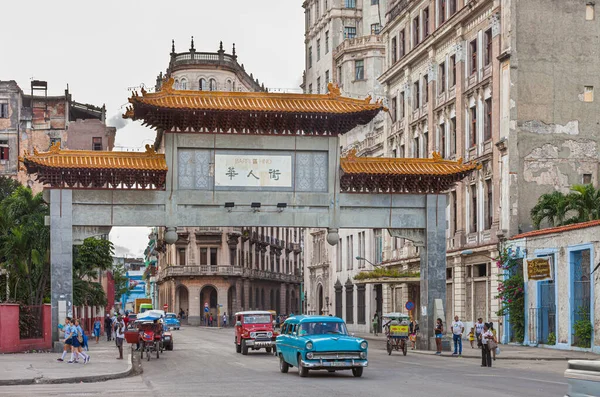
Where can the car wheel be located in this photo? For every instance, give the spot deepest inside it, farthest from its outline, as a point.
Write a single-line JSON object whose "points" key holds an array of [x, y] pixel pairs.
{"points": [[302, 370], [357, 372], [238, 348], [170, 347], [283, 366], [244, 347], [405, 348], [389, 347], [268, 349]]}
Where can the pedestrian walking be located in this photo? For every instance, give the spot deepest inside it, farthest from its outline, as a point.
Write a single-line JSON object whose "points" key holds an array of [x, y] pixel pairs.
{"points": [[478, 330], [79, 342], [375, 323], [486, 338], [119, 335], [458, 329], [97, 328], [108, 327], [181, 313], [493, 331], [210, 320], [472, 337], [414, 331], [439, 332], [68, 338], [224, 319]]}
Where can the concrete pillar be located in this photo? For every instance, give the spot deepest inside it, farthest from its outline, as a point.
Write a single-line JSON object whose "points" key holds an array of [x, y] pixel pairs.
{"points": [[195, 306], [459, 289], [61, 256], [433, 266]]}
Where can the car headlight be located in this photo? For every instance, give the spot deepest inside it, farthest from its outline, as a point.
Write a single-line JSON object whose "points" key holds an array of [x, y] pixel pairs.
{"points": [[253, 334], [309, 355], [363, 345], [363, 355], [309, 345], [269, 334]]}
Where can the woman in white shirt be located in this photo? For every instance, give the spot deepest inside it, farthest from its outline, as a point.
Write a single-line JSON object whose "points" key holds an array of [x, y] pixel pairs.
{"points": [[486, 337]]}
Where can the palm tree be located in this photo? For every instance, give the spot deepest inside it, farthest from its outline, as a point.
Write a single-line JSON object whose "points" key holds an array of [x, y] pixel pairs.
{"points": [[585, 201], [552, 208]]}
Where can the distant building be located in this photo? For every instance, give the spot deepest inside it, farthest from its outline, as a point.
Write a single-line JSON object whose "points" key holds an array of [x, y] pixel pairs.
{"points": [[134, 271], [35, 121]]}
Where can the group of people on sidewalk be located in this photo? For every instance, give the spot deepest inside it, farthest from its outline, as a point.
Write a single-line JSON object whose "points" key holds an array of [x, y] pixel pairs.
{"points": [[483, 333], [74, 340]]}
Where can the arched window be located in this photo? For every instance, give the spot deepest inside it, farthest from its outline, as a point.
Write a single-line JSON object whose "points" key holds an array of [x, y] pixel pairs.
{"points": [[183, 84], [229, 85], [202, 85], [176, 84], [233, 87], [213, 84]]}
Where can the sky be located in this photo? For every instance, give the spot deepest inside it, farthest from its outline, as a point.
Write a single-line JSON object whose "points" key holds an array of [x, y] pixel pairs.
{"points": [[103, 49]]}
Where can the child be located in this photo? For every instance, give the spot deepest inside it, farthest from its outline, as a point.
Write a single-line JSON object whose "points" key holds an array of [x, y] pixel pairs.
{"points": [[472, 337]]}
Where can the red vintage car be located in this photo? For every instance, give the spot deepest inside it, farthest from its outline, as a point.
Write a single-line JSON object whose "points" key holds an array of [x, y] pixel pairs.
{"points": [[254, 330]]}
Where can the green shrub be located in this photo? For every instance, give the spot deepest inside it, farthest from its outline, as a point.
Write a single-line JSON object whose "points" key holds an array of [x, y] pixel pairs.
{"points": [[551, 339], [583, 329], [383, 273]]}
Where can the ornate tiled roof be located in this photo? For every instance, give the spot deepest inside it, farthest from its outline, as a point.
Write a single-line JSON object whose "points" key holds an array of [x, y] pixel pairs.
{"points": [[558, 229], [401, 175], [251, 112], [97, 169]]}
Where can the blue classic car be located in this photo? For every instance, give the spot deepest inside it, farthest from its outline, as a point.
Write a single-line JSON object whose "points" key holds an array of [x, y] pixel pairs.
{"points": [[319, 342], [172, 321]]}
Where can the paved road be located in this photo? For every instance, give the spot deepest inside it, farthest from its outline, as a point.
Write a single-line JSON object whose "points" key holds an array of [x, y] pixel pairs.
{"points": [[204, 363]]}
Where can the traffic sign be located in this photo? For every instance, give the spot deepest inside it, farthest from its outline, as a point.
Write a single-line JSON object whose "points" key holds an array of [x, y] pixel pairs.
{"points": [[205, 304], [409, 305], [165, 307]]}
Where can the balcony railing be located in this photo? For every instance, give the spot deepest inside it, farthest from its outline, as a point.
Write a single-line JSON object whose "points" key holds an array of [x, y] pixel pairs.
{"points": [[397, 9], [205, 270], [358, 42], [202, 57]]}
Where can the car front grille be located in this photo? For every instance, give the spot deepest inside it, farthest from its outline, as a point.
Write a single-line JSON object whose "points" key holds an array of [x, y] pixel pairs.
{"points": [[336, 356]]}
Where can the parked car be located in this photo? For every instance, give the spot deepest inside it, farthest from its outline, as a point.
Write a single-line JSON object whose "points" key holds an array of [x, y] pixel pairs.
{"points": [[320, 342], [172, 321], [254, 330]]}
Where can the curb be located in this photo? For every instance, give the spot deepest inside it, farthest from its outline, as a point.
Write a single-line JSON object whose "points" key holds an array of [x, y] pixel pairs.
{"points": [[131, 370], [499, 357]]}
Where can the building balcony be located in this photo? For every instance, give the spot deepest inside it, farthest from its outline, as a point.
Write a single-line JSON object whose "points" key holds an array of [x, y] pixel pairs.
{"points": [[397, 9], [226, 271], [358, 44], [203, 58]]}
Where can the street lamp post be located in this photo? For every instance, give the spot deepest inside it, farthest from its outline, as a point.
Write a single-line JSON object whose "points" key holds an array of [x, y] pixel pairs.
{"points": [[360, 258]]}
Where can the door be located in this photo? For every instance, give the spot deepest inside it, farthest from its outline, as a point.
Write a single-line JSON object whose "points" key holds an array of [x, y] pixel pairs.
{"points": [[379, 304], [547, 320]]}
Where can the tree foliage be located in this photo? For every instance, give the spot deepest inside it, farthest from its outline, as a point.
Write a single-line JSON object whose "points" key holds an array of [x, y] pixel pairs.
{"points": [[121, 281], [511, 292], [93, 256], [582, 204]]}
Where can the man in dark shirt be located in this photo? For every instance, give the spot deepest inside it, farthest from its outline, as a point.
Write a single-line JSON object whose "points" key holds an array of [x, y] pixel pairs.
{"points": [[108, 326]]}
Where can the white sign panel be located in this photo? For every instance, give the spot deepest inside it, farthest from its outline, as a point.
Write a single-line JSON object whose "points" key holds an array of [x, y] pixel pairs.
{"points": [[247, 170]]}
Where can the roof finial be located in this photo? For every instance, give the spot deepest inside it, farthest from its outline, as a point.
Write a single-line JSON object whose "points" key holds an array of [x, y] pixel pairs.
{"points": [[172, 46], [221, 46], [233, 49], [192, 47]]}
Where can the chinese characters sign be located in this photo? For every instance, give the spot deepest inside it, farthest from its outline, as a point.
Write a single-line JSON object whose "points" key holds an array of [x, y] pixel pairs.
{"points": [[539, 269], [247, 170]]}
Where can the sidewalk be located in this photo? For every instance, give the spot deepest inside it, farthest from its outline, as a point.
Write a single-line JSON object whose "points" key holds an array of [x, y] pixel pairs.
{"points": [[507, 352], [29, 368]]}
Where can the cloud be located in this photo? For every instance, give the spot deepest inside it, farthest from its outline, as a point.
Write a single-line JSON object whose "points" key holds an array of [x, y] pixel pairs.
{"points": [[117, 121], [121, 251]]}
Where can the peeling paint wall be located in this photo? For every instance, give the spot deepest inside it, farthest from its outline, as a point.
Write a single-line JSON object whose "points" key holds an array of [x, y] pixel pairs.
{"points": [[554, 136]]}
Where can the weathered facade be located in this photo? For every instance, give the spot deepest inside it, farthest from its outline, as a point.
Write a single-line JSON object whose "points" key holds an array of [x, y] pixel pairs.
{"points": [[35, 121]]}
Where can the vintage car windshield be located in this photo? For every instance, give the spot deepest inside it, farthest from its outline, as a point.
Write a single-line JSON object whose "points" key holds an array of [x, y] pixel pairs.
{"points": [[323, 327], [171, 315], [257, 319]]}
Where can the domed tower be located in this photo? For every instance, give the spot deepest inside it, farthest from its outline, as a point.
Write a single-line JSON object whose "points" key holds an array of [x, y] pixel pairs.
{"points": [[208, 71]]}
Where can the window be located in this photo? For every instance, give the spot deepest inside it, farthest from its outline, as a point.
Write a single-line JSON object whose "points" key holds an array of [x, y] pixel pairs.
{"points": [[359, 70], [415, 33], [451, 7], [204, 256], [339, 76], [480, 270], [349, 252], [310, 90], [426, 22], [473, 130], [394, 50], [442, 79], [416, 94], [488, 47], [425, 89], [310, 57], [213, 84], [442, 11], [415, 146], [213, 257], [349, 32], [453, 136], [401, 105], [202, 85], [4, 151], [589, 12], [339, 256], [97, 143], [374, 2], [402, 151], [361, 247], [318, 85], [317, 9], [454, 214], [181, 256], [183, 84], [473, 51], [349, 302], [327, 42], [378, 246], [360, 302], [375, 28], [587, 179], [473, 209], [350, 3], [588, 93], [442, 140], [229, 86], [402, 49], [318, 50], [394, 109], [453, 65], [449, 273], [327, 77], [487, 131], [3, 110], [425, 144], [308, 21], [489, 205]]}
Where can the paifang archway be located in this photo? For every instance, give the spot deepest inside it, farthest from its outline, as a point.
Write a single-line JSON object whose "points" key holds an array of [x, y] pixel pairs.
{"points": [[227, 159]]}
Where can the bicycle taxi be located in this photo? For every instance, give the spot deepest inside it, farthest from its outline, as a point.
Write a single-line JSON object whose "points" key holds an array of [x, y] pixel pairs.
{"points": [[397, 330]]}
